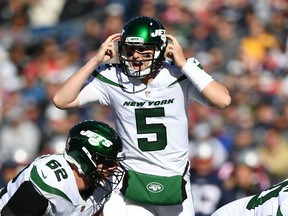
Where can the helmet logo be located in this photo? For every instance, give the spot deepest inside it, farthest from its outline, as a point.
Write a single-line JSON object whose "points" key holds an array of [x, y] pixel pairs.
{"points": [[155, 187], [134, 40], [158, 32], [96, 139]]}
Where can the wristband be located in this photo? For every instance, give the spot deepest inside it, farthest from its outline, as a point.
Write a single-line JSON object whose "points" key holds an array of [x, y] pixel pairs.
{"points": [[196, 75]]}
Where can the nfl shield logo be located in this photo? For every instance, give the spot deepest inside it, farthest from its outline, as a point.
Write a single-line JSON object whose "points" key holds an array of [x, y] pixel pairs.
{"points": [[147, 94]]}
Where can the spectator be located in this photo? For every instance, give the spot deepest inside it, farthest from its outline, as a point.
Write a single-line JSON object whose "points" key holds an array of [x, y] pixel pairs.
{"points": [[258, 89], [247, 177], [9, 170], [207, 188], [203, 134], [273, 154]]}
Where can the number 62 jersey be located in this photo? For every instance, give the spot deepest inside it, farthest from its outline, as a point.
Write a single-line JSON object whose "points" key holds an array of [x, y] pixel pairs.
{"points": [[47, 186]]}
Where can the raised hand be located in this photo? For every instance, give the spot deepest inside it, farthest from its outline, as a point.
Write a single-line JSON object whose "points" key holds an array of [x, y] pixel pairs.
{"points": [[107, 50], [174, 51]]}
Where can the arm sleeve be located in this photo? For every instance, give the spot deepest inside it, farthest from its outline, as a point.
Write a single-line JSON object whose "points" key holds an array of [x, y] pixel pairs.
{"points": [[26, 201]]}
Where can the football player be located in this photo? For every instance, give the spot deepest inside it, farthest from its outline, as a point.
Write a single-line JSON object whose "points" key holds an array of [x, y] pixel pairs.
{"points": [[271, 202], [149, 91], [77, 182]]}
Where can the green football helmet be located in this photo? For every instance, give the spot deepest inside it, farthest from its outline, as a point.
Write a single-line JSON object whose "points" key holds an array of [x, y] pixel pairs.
{"points": [[91, 143], [142, 33]]}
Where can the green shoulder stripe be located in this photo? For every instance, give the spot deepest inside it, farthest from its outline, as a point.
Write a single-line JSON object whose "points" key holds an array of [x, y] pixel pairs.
{"points": [[45, 187], [104, 79], [178, 80]]}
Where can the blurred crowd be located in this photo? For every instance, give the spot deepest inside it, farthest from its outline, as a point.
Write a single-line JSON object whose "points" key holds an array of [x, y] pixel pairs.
{"points": [[241, 43]]}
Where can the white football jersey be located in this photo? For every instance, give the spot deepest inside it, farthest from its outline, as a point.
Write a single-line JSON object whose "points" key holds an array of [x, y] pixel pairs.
{"points": [[152, 120], [53, 178], [271, 202]]}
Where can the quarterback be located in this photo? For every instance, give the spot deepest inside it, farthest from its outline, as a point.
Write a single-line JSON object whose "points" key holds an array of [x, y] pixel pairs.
{"points": [[77, 182], [149, 91]]}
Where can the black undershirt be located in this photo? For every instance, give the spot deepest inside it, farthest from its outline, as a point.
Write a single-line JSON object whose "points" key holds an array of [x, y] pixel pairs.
{"points": [[25, 202]]}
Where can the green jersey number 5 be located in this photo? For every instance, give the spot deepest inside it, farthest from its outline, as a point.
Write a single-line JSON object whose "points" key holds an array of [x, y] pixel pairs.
{"points": [[143, 127]]}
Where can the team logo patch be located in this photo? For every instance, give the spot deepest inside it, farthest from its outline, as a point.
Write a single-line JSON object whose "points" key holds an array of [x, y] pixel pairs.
{"points": [[154, 187], [134, 40], [96, 139]]}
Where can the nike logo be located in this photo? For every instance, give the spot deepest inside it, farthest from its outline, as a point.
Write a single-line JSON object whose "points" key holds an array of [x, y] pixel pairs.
{"points": [[43, 175]]}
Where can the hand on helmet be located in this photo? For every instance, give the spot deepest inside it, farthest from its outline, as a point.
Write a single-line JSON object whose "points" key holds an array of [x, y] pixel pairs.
{"points": [[107, 50], [174, 51]]}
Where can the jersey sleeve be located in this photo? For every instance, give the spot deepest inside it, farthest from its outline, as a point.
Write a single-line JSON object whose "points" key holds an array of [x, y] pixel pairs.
{"points": [[93, 92], [88, 95]]}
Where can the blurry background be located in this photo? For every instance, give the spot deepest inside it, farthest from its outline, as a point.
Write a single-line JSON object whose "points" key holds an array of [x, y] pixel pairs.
{"points": [[241, 43]]}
